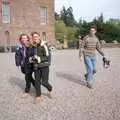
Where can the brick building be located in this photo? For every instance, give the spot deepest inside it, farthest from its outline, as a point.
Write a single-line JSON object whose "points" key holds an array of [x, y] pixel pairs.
{"points": [[25, 16]]}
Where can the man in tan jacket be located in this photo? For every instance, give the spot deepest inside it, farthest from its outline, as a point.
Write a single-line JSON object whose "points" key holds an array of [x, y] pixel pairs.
{"points": [[88, 46]]}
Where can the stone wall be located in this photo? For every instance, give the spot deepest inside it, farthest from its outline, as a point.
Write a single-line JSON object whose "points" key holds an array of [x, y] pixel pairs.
{"points": [[25, 18]]}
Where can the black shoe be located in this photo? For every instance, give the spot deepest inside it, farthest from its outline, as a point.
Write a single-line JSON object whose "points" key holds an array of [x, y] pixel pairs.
{"points": [[85, 76], [89, 86], [94, 71], [27, 89]]}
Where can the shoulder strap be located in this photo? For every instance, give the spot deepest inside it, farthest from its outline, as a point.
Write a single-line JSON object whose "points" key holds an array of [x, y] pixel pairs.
{"points": [[45, 47]]}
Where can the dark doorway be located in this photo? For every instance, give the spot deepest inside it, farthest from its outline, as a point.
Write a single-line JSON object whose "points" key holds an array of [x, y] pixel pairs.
{"points": [[7, 41]]}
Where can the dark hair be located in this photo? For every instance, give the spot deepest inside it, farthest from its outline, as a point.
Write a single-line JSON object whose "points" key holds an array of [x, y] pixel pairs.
{"points": [[32, 34], [93, 27], [24, 35]]}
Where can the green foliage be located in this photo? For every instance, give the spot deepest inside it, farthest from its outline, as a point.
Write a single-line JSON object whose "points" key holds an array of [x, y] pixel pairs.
{"points": [[66, 25], [71, 31], [57, 16], [72, 43], [111, 32], [60, 30], [68, 17], [108, 31]]}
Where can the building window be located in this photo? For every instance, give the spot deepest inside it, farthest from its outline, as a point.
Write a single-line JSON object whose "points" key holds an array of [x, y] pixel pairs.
{"points": [[44, 36], [43, 15], [6, 12]]}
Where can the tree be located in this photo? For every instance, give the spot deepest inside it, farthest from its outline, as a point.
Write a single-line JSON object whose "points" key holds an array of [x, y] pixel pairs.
{"points": [[67, 26], [114, 21], [60, 30], [57, 16], [71, 31], [111, 32], [67, 17]]}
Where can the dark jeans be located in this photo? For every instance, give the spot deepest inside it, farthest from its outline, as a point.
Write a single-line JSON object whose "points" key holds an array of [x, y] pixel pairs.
{"points": [[41, 78], [29, 79]]}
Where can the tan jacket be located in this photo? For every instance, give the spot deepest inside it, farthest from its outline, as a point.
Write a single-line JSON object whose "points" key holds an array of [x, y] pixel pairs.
{"points": [[89, 45]]}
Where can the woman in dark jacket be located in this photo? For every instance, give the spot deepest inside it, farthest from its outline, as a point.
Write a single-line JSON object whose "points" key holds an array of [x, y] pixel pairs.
{"points": [[22, 54]]}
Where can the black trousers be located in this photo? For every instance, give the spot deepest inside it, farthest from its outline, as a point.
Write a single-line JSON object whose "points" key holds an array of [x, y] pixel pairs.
{"points": [[29, 79], [41, 78]]}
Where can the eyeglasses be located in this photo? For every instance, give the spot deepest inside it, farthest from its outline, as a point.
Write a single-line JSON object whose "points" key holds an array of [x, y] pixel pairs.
{"points": [[92, 30]]}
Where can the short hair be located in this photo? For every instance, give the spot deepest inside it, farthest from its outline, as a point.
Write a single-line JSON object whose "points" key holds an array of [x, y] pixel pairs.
{"points": [[32, 34], [23, 34]]}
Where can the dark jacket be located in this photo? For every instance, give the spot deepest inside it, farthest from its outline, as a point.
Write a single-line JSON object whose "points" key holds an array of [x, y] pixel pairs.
{"points": [[23, 60], [19, 55], [44, 53]]}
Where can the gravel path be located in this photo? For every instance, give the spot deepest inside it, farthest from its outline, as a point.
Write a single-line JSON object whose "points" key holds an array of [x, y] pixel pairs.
{"points": [[72, 100]]}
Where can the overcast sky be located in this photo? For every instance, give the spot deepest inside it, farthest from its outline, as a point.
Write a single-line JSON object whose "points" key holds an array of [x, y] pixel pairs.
{"points": [[88, 9]]}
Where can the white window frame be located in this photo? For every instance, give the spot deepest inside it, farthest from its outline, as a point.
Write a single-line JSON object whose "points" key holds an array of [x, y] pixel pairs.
{"points": [[44, 36], [5, 15], [43, 15]]}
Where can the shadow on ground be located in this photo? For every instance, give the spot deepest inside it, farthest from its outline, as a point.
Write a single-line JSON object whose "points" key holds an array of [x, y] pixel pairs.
{"points": [[16, 81], [72, 78]]}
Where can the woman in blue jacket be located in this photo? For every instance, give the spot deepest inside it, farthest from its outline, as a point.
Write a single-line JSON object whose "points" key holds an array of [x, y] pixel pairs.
{"points": [[22, 54]]}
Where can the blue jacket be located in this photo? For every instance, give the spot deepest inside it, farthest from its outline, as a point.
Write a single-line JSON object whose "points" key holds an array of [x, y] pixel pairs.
{"points": [[19, 55], [23, 60]]}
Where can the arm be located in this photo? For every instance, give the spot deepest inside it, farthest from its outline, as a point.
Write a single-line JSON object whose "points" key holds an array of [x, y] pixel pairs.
{"points": [[80, 48], [82, 44], [49, 57], [47, 54], [17, 56], [98, 47]]}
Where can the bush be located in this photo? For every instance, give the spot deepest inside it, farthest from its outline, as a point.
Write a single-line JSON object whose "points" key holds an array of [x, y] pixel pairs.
{"points": [[72, 44], [2, 49], [7, 48], [13, 48]]}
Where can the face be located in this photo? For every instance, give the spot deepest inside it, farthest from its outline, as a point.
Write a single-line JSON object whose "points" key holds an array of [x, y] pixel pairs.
{"points": [[24, 39], [93, 31], [36, 38]]}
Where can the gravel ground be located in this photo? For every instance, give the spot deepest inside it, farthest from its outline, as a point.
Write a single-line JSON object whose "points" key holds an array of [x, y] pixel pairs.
{"points": [[72, 100]]}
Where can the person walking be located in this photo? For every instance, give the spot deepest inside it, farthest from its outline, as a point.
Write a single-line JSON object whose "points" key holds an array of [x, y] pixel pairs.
{"points": [[21, 59], [41, 63], [88, 47]]}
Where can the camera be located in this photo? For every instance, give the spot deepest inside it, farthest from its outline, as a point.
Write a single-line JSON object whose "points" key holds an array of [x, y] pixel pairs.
{"points": [[35, 59], [106, 63]]}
